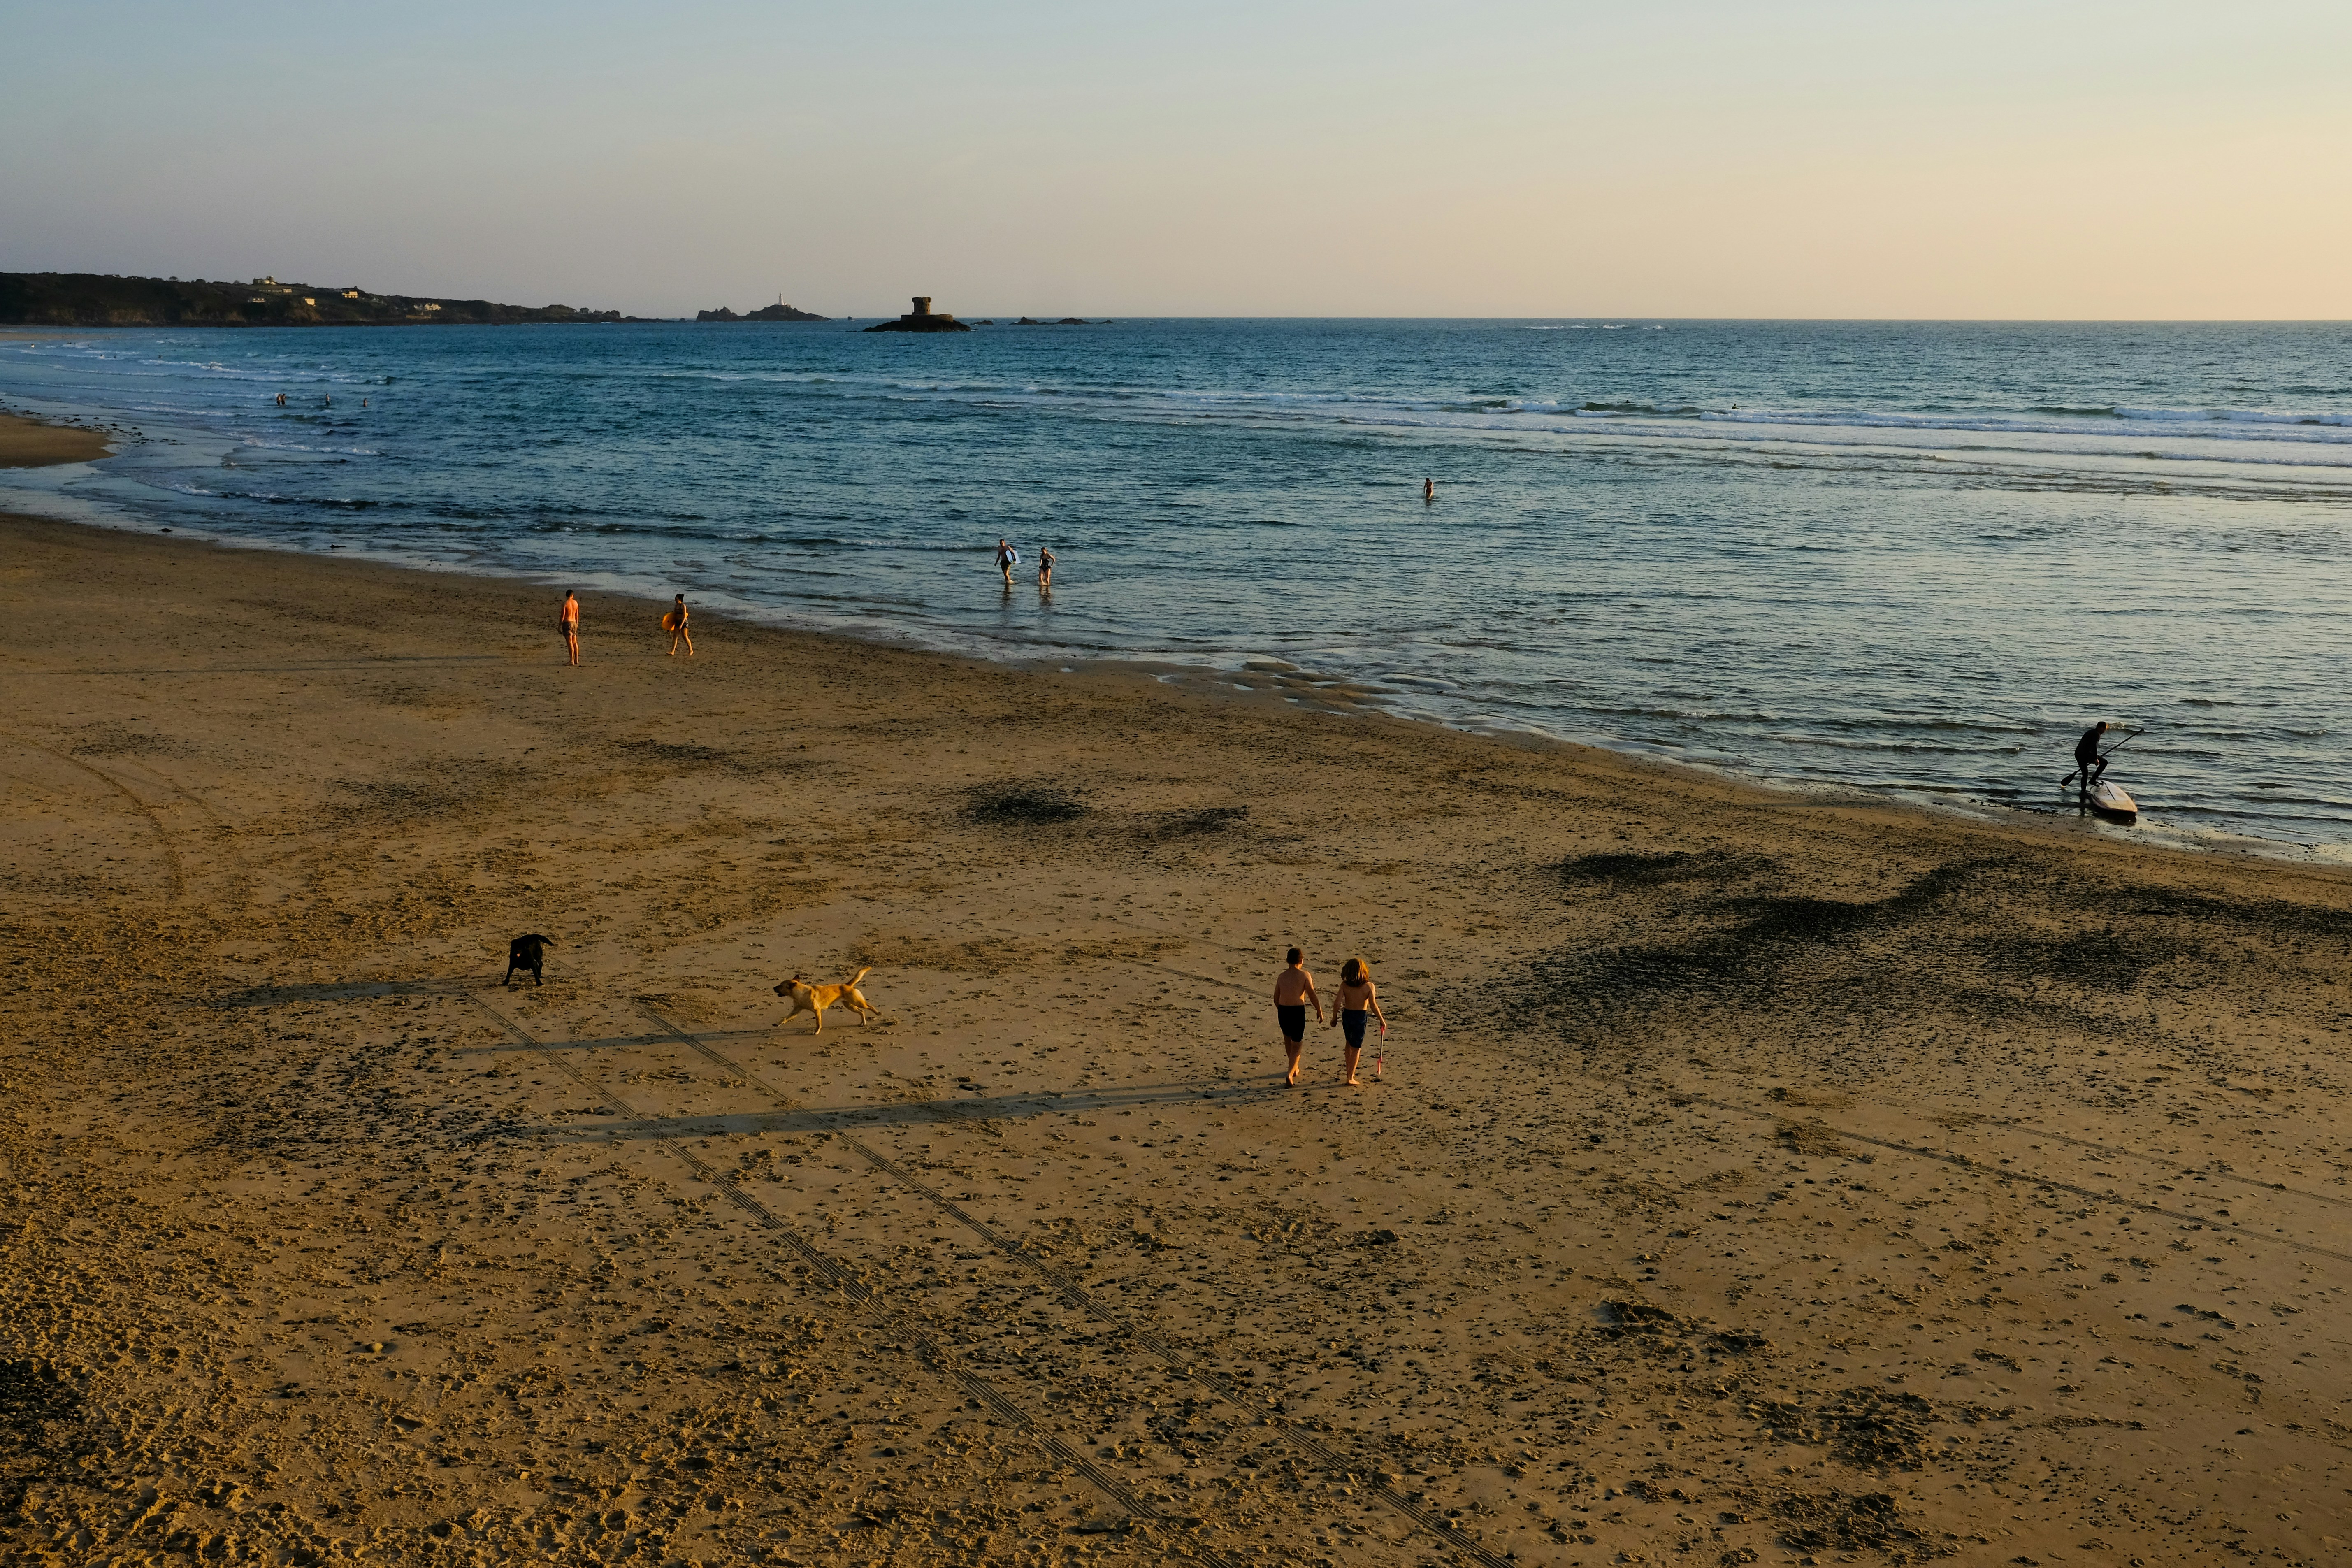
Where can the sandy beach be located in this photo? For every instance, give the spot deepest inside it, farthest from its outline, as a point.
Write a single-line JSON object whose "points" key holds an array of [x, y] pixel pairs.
{"points": [[1749, 1177], [31, 444]]}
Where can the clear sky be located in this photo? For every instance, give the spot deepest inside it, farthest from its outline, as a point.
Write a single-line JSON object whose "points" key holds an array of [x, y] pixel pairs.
{"points": [[1790, 158]]}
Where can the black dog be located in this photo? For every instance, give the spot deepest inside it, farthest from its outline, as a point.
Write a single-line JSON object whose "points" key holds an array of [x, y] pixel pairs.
{"points": [[527, 952]]}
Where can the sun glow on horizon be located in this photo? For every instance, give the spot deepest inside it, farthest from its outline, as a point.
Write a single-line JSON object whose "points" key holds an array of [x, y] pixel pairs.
{"points": [[1692, 159]]}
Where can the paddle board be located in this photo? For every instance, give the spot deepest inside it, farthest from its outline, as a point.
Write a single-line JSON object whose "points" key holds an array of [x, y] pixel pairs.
{"points": [[2108, 799]]}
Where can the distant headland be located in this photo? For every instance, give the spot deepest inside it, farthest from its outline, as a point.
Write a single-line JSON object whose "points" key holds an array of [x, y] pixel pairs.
{"points": [[920, 320], [103, 299], [779, 312]]}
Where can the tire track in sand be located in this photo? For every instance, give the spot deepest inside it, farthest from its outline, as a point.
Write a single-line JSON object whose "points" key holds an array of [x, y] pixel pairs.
{"points": [[1068, 1288], [163, 833], [927, 1348], [2052, 1183]]}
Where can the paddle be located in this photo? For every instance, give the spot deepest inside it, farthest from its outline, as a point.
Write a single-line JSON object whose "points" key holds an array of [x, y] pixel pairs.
{"points": [[2129, 736]]}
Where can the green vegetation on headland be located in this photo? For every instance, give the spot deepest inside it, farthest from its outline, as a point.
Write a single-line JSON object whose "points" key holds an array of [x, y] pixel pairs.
{"points": [[98, 299]]}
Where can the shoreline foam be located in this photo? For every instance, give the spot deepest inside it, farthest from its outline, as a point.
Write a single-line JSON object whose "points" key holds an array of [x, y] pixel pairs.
{"points": [[1616, 638]]}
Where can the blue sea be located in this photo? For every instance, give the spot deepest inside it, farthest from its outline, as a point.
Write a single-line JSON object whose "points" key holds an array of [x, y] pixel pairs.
{"points": [[1909, 558]]}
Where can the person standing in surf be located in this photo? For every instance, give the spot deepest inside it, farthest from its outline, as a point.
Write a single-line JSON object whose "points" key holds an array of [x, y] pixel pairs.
{"points": [[1007, 558], [1294, 992], [1045, 567], [2087, 760]]}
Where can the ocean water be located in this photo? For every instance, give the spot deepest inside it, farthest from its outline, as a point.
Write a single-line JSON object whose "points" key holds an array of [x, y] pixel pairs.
{"points": [[1899, 557]]}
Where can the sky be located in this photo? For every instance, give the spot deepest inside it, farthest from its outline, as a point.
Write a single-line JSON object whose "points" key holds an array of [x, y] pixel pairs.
{"points": [[1665, 158]]}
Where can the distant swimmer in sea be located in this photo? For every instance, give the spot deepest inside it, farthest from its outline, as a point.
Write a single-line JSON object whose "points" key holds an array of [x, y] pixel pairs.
{"points": [[568, 620], [1007, 558], [1294, 992], [2088, 761], [1045, 567], [1428, 490], [327, 400], [281, 400], [674, 624], [1357, 999]]}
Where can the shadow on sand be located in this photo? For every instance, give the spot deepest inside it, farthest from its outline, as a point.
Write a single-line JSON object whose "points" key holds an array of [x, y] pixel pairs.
{"points": [[980, 1109]]}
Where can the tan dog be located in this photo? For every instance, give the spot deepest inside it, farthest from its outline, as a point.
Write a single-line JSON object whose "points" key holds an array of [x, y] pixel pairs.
{"points": [[808, 998]]}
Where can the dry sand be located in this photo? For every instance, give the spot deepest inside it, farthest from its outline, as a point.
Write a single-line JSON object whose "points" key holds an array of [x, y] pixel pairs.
{"points": [[1753, 1178]]}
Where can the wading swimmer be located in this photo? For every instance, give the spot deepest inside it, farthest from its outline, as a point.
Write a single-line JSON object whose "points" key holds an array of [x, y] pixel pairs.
{"points": [[674, 624], [1045, 567], [568, 619], [1428, 490], [1294, 992], [1007, 558], [1356, 997]]}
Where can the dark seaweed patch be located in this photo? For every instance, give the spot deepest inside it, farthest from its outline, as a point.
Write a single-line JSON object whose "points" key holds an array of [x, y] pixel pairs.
{"points": [[453, 788], [1832, 1522], [1864, 1428], [1023, 804], [1203, 820], [2107, 959], [1934, 936], [1634, 869], [42, 1428], [1641, 1326], [685, 756]]}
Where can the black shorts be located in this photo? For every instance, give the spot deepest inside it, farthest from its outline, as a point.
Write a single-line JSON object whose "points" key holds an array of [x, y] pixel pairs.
{"points": [[1294, 1022], [1353, 1022]]}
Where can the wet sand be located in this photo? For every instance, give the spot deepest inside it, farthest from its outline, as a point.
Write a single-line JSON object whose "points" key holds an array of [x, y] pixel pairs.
{"points": [[1752, 1178], [31, 444]]}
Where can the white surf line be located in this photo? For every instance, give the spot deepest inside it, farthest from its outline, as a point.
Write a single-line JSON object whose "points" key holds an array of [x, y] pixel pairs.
{"points": [[2021, 1178], [848, 1282], [1175, 1361]]}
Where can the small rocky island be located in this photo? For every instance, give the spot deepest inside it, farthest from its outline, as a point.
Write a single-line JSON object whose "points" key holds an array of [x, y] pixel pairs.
{"points": [[920, 320], [779, 312]]}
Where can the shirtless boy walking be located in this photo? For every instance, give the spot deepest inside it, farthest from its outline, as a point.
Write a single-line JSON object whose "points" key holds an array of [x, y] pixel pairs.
{"points": [[1294, 992]]}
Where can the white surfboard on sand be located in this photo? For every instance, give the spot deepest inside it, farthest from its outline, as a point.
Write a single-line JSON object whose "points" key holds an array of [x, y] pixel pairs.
{"points": [[2108, 799]]}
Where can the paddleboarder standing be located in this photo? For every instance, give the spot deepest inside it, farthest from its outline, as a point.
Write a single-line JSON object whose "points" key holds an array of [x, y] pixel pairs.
{"points": [[2087, 760]]}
